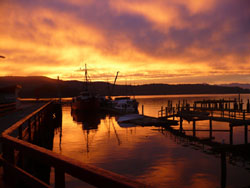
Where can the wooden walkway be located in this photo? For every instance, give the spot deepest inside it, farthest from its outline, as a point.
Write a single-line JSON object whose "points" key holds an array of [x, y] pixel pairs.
{"points": [[11, 117]]}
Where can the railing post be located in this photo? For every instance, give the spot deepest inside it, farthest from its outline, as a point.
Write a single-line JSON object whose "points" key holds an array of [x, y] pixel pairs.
{"points": [[59, 178], [8, 155], [20, 132], [29, 129]]}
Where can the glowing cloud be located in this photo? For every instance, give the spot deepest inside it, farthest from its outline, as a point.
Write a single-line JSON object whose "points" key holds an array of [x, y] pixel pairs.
{"points": [[146, 40]]}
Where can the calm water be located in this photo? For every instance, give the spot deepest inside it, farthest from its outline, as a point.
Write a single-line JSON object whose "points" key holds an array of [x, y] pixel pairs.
{"points": [[149, 154]]}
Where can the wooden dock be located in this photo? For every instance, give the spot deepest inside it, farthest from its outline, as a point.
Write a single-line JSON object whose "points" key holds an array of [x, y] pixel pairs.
{"points": [[152, 121], [228, 111]]}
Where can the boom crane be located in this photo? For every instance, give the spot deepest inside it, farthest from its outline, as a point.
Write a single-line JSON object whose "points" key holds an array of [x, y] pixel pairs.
{"points": [[114, 84]]}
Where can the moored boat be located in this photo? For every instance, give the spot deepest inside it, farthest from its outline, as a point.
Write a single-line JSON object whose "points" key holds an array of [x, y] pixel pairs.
{"points": [[125, 105], [86, 102]]}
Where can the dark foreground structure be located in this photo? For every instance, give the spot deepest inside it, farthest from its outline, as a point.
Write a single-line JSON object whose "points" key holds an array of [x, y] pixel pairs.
{"points": [[27, 155]]}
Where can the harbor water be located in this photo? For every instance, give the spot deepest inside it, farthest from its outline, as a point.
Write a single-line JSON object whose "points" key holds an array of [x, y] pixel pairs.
{"points": [[152, 155]]}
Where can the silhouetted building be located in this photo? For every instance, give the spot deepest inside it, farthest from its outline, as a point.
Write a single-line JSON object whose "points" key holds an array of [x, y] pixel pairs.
{"points": [[9, 98]]}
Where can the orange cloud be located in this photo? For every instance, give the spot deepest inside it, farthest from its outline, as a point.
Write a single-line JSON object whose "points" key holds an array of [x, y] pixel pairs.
{"points": [[167, 39]]}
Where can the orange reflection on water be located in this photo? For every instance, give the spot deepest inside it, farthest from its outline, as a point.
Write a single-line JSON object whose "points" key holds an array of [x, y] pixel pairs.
{"points": [[148, 154], [94, 144]]}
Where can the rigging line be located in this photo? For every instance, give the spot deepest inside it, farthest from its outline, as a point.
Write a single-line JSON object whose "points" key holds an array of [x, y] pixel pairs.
{"points": [[116, 134]]}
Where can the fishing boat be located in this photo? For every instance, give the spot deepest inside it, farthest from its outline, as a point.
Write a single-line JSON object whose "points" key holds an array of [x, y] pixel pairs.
{"points": [[87, 101]]}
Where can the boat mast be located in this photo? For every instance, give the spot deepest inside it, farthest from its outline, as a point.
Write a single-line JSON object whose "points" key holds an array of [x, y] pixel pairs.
{"points": [[86, 77]]}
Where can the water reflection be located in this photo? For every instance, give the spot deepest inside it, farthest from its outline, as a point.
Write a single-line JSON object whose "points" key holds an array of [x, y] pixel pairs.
{"points": [[235, 155], [148, 155], [89, 122]]}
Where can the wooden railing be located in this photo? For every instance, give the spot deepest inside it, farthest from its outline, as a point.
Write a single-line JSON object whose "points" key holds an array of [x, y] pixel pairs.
{"points": [[87, 173]]}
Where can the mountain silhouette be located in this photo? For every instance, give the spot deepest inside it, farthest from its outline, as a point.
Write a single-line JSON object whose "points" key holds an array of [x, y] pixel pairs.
{"points": [[41, 87]]}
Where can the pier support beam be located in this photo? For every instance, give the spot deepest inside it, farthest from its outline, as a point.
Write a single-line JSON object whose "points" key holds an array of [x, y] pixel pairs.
{"points": [[181, 120], [59, 178], [194, 132], [223, 169], [231, 134], [246, 134], [210, 128]]}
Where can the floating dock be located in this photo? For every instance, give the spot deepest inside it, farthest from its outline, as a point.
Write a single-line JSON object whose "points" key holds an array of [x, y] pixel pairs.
{"points": [[152, 121]]}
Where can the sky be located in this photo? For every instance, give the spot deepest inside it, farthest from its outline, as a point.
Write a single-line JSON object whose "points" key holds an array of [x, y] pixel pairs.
{"points": [[147, 41]]}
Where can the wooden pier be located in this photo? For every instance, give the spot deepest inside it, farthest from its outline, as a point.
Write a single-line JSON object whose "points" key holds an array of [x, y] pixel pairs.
{"points": [[152, 121], [228, 111]]}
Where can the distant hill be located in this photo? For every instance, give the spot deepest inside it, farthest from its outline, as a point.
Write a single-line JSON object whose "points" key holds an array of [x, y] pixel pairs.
{"points": [[39, 86], [244, 86]]}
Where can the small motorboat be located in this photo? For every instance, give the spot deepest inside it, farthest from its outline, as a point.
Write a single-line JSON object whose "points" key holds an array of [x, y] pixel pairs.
{"points": [[125, 105]]}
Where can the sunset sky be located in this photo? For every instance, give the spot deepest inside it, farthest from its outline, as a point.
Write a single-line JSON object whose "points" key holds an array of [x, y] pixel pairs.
{"points": [[148, 41]]}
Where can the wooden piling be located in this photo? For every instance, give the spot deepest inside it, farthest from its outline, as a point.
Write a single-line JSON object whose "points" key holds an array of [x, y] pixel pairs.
{"points": [[194, 128], [210, 128], [59, 178], [181, 120], [248, 106], [231, 134], [173, 114], [246, 134], [223, 169]]}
